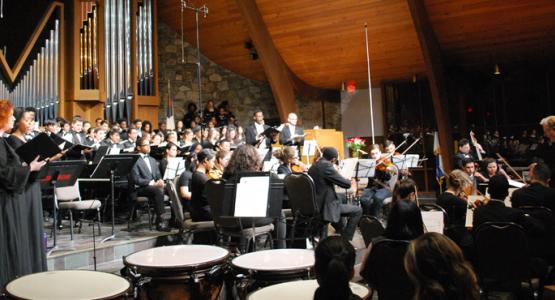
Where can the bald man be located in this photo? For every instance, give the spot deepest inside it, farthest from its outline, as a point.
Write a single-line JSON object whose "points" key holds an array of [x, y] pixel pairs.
{"points": [[291, 134], [548, 124]]}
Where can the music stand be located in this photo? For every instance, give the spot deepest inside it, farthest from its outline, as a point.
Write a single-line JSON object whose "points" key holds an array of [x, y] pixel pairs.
{"points": [[175, 167], [111, 166], [259, 186], [59, 174]]}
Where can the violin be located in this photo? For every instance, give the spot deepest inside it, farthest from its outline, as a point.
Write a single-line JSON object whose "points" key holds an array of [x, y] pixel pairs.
{"points": [[298, 167]]}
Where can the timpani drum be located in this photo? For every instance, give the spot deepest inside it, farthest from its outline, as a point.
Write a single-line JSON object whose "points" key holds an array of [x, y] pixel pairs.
{"points": [[178, 272], [68, 284], [300, 290], [259, 269]]}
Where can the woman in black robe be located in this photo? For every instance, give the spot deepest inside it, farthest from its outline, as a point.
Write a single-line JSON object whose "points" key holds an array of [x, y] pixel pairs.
{"points": [[21, 228]]}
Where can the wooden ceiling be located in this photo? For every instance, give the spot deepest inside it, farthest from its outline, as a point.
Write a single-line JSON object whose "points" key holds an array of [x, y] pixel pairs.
{"points": [[322, 42]]}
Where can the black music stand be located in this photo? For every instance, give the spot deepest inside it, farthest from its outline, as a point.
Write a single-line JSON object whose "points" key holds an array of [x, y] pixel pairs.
{"points": [[112, 166], [59, 174], [273, 204]]}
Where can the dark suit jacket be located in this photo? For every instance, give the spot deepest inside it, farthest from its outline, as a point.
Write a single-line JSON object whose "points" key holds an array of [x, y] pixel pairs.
{"points": [[285, 136], [459, 157], [496, 211], [140, 174], [73, 154], [250, 135], [325, 177], [534, 195], [284, 169]]}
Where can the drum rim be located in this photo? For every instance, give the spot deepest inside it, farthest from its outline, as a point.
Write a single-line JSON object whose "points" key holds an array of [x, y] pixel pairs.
{"points": [[123, 293], [191, 267], [289, 282], [281, 270]]}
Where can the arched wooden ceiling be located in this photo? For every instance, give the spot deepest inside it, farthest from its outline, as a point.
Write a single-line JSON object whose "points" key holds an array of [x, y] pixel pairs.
{"points": [[322, 42]]}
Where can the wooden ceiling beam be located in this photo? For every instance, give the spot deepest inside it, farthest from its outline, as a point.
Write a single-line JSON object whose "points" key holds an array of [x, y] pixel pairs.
{"points": [[277, 72], [433, 62]]}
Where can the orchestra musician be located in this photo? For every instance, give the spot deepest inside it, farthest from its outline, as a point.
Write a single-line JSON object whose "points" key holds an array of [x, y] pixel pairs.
{"points": [[325, 177], [21, 220], [291, 134], [454, 202], [465, 153], [289, 161], [148, 181], [377, 190], [222, 159]]}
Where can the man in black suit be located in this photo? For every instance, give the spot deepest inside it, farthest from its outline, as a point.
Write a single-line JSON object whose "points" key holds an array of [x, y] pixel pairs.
{"points": [[463, 154], [496, 211], [538, 192], [148, 181], [253, 132], [325, 176], [291, 134]]}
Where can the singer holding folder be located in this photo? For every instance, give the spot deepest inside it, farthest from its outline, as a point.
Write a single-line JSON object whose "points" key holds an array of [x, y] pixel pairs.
{"points": [[21, 227]]}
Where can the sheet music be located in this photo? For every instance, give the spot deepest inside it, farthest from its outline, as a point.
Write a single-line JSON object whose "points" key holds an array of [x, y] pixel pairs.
{"points": [[309, 147], [516, 184], [347, 167], [433, 221], [251, 196], [262, 153], [366, 168], [175, 167], [114, 151], [403, 162]]}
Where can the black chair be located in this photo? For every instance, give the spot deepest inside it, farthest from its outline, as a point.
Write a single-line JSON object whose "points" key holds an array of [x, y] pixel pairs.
{"points": [[307, 220], [187, 228], [502, 257], [541, 213], [384, 270], [370, 228], [227, 228]]}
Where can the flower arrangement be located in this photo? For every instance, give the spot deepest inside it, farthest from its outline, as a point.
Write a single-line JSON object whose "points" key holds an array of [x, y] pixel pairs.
{"points": [[355, 144]]}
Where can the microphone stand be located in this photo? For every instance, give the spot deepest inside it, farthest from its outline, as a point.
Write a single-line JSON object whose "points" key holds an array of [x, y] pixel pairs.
{"points": [[204, 10]]}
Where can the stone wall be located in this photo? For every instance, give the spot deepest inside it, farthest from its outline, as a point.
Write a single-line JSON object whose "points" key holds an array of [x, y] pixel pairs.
{"points": [[218, 84]]}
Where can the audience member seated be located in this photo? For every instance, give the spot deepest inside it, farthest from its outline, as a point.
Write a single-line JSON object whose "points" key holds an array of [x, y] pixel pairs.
{"points": [[496, 211], [334, 268], [200, 210], [325, 175], [438, 270], [537, 192], [148, 181], [404, 224], [405, 189]]}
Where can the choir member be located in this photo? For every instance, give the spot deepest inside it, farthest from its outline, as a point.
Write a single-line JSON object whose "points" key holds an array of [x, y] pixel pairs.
{"points": [[21, 222]]}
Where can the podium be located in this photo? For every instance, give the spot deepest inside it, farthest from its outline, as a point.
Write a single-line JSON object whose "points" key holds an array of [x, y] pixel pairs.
{"points": [[326, 138]]}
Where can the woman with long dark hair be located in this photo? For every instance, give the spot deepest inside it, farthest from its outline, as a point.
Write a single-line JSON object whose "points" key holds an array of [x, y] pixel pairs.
{"points": [[334, 267], [21, 221], [438, 270]]}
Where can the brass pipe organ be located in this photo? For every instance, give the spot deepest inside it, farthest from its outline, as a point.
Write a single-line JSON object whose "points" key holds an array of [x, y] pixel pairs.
{"points": [[37, 83]]}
